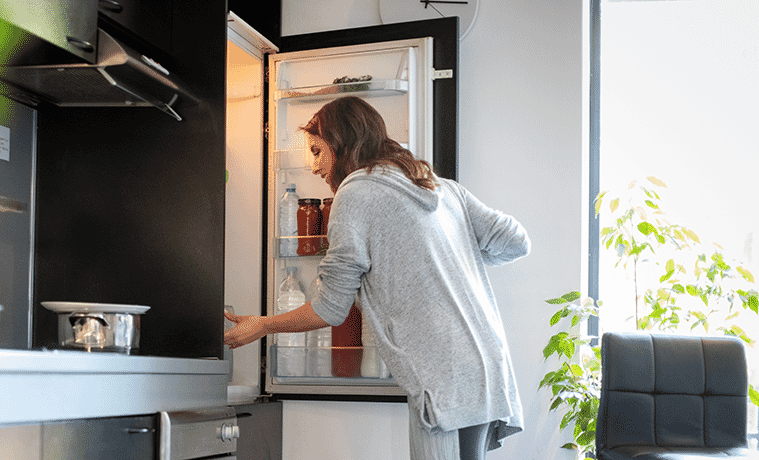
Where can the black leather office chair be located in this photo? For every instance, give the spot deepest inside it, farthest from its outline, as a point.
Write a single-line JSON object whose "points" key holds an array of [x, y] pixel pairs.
{"points": [[666, 397]]}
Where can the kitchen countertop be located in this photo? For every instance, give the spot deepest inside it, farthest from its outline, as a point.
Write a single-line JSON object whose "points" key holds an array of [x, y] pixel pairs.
{"points": [[60, 385]]}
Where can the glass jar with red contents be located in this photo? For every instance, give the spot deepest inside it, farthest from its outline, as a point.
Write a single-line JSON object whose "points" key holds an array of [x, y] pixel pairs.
{"points": [[347, 350], [309, 223], [326, 209]]}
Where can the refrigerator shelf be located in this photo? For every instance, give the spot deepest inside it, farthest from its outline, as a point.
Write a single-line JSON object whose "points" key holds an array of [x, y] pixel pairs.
{"points": [[292, 159], [378, 88], [321, 240]]}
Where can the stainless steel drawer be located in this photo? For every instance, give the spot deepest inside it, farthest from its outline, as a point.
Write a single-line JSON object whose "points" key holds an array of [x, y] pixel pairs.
{"points": [[118, 438]]}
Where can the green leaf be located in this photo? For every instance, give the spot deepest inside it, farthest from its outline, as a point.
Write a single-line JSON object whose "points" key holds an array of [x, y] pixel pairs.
{"points": [[557, 317], [565, 420], [666, 276], [571, 296], [549, 349], [753, 303], [692, 290], [587, 437], [566, 298], [646, 228], [567, 347], [569, 445], [651, 204], [754, 395]]}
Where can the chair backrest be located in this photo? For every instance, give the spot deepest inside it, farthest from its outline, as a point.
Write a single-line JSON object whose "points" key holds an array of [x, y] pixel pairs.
{"points": [[672, 391]]}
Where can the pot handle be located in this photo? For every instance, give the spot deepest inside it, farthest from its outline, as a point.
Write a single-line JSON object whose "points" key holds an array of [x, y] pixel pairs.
{"points": [[75, 318]]}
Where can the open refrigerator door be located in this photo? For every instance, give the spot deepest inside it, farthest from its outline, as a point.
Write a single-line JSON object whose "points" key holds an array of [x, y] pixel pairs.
{"points": [[244, 200]]}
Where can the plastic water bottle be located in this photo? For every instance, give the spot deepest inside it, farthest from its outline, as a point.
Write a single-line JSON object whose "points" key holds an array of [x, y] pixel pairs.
{"points": [[291, 347], [318, 343], [288, 222], [372, 365]]}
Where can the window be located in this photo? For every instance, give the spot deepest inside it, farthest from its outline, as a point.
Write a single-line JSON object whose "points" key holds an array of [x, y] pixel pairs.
{"points": [[679, 99]]}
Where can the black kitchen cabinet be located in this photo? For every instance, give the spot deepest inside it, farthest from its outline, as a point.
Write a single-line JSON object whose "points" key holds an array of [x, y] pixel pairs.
{"points": [[41, 32], [146, 21], [130, 202], [265, 17]]}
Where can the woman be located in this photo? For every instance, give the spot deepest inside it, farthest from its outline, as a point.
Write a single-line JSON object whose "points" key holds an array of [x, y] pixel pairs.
{"points": [[414, 247]]}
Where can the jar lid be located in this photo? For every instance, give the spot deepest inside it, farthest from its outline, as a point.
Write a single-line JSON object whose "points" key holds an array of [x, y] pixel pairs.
{"points": [[314, 201]]}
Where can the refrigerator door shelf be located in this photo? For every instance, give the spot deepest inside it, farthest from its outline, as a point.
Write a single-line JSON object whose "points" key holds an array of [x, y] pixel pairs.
{"points": [[350, 371], [314, 94]]}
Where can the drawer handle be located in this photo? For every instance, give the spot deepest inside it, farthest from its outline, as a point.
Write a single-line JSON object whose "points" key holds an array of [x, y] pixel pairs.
{"points": [[140, 430], [111, 5], [81, 44]]}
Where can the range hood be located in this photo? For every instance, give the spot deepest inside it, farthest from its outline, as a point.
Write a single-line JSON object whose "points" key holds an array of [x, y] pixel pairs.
{"points": [[121, 77]]}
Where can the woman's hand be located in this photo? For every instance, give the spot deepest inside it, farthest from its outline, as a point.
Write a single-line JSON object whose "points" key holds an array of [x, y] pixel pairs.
{"points": [[247, 329], [252, 328]]}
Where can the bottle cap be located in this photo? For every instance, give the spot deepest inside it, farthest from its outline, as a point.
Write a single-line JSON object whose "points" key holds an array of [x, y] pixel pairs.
{"points": [[291, 187]]}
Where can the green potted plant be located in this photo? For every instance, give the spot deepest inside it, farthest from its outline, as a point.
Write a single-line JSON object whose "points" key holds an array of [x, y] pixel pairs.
{"points": [[693, 289]]}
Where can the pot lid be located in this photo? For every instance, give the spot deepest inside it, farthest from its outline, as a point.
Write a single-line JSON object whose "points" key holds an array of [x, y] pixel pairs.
{"points": [[70, 307]]}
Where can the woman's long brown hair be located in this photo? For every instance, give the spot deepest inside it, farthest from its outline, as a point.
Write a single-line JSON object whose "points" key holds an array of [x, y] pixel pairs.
{"points": [[357, 135]]}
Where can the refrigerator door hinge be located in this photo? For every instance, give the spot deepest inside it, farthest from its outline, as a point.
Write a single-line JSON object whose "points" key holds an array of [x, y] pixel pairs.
{"points": [[441, 74]]}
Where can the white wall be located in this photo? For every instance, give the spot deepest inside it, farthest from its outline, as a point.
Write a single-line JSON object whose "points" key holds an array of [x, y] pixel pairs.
{"points": [[522, 151]]}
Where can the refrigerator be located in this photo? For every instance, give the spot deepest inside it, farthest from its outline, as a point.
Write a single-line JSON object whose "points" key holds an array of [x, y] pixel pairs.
{"points": [[408, 72], [18, 155]]}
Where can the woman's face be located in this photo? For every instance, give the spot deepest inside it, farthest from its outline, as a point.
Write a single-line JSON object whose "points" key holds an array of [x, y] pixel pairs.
{"points": [[322, 159]]}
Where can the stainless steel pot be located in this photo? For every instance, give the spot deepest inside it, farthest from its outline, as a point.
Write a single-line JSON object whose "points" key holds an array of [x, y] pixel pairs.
{"points": [[98, 327], [116, 332]]}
